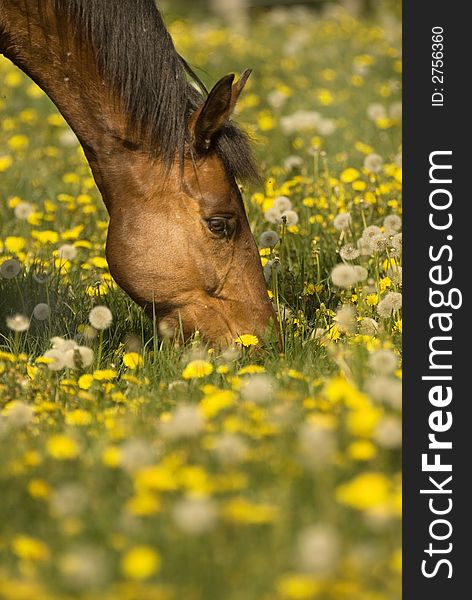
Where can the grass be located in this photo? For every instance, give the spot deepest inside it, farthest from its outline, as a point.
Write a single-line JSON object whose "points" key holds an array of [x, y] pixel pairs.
{"points": [[167, 470]]}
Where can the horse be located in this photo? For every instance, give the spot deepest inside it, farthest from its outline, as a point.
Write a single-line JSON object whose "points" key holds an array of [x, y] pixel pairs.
{"points": [[164, 153]]}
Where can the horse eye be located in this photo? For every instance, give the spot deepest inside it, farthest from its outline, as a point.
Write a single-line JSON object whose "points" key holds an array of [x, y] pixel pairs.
{"points": [[219, 226]]}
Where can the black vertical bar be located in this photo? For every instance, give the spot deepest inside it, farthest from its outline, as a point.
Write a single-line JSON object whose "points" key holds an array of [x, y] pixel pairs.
{"points": [[428, 127]]}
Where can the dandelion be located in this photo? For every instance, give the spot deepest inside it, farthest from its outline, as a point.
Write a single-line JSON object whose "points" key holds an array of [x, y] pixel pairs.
{"points": [[10, 268], [61, 344], [230, 448], [345, 319], [78, 357], [18, 414], [68, 499], [371, 232], [100, 317], [67, 252], [282, 203], [373, 163], [84, 567], [23, 210], [369, 326], [247, 340], [349, 252], [133, 360], [317, 549], [383, 362], [386, 389], [18, 323], [395, 111], [272, 215], [54, 359], [342, 222], [365, 249], [361, 273], [289, 217], [135, 454], [316, 445], [395, 274], [140, 563], [392, 223], [376, 111], [257, 388], [186, 421], [293, 162], [268, 239], [389, 304], [396, 244], [41, 311], [388, 432], [378, 243], [326, 127], [194, 516], [197, 369], [344, 276]]}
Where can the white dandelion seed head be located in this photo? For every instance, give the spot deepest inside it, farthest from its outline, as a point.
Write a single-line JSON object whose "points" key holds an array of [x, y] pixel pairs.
{"points": [[18, 323], [100, 317], [272, 215], [383, 362], [392, 223], [302, 120], [268, 239], [68, 500], [398, 160], [293, 162], [349, 252], [276, 98], [23, 210], [389, 304], [289, 217], [316, 445], [41, 311], [376, 111], [68, 138], [342, 222], [361, 272], [396, 243], [84, 568], [364, 246], [369, 326], [344, 276], [388, 432], [61, 344], [186, 421], [195, 515], [395, 274], [78, 357], [135, 454], [67, 252], [230, 448], [385, 389], [282, 203], [257, 388], [373, 163], [345, 319], [56, 359], [395, 111], [371, 232], [378, 243], [326, 127], [317, 549], [10, 268], [18, 414]]}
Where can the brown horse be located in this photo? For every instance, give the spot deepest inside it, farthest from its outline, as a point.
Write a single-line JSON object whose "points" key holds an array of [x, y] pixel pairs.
{"points": [[163, 152]]}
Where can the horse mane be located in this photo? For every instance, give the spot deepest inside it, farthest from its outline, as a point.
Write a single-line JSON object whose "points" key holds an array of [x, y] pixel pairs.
{"points": [[157, 89]]}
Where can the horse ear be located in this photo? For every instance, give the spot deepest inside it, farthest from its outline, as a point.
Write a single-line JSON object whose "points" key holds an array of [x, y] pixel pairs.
{"points": [[207, 120]]}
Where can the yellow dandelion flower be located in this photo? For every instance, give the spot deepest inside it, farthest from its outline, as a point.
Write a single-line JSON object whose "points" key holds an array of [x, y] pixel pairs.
{"points": [[298, 586], [361, 450], [78, 417], [365, 491], [5, 162], [197, 369], [349, 175], [372, 299], [214, 403], [104, 374], [247, 340], [85, 381], [62, 447], [38, 488], [30, 548], [140, 562], [133, 360], [45, 237]]}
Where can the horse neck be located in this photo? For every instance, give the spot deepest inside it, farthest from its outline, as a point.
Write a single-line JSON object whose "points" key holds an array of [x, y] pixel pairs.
{"points": [[69, 75]]}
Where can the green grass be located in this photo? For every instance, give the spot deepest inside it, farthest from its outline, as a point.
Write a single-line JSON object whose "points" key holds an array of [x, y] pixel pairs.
{"points": [[276, 475]]}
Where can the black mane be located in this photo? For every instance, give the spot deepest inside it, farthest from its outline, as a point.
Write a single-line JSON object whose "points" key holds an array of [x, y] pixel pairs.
{"points": [[157, 88]]}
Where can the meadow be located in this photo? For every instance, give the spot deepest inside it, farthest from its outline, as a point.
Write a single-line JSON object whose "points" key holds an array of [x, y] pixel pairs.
{"points": [[139, 468]]}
